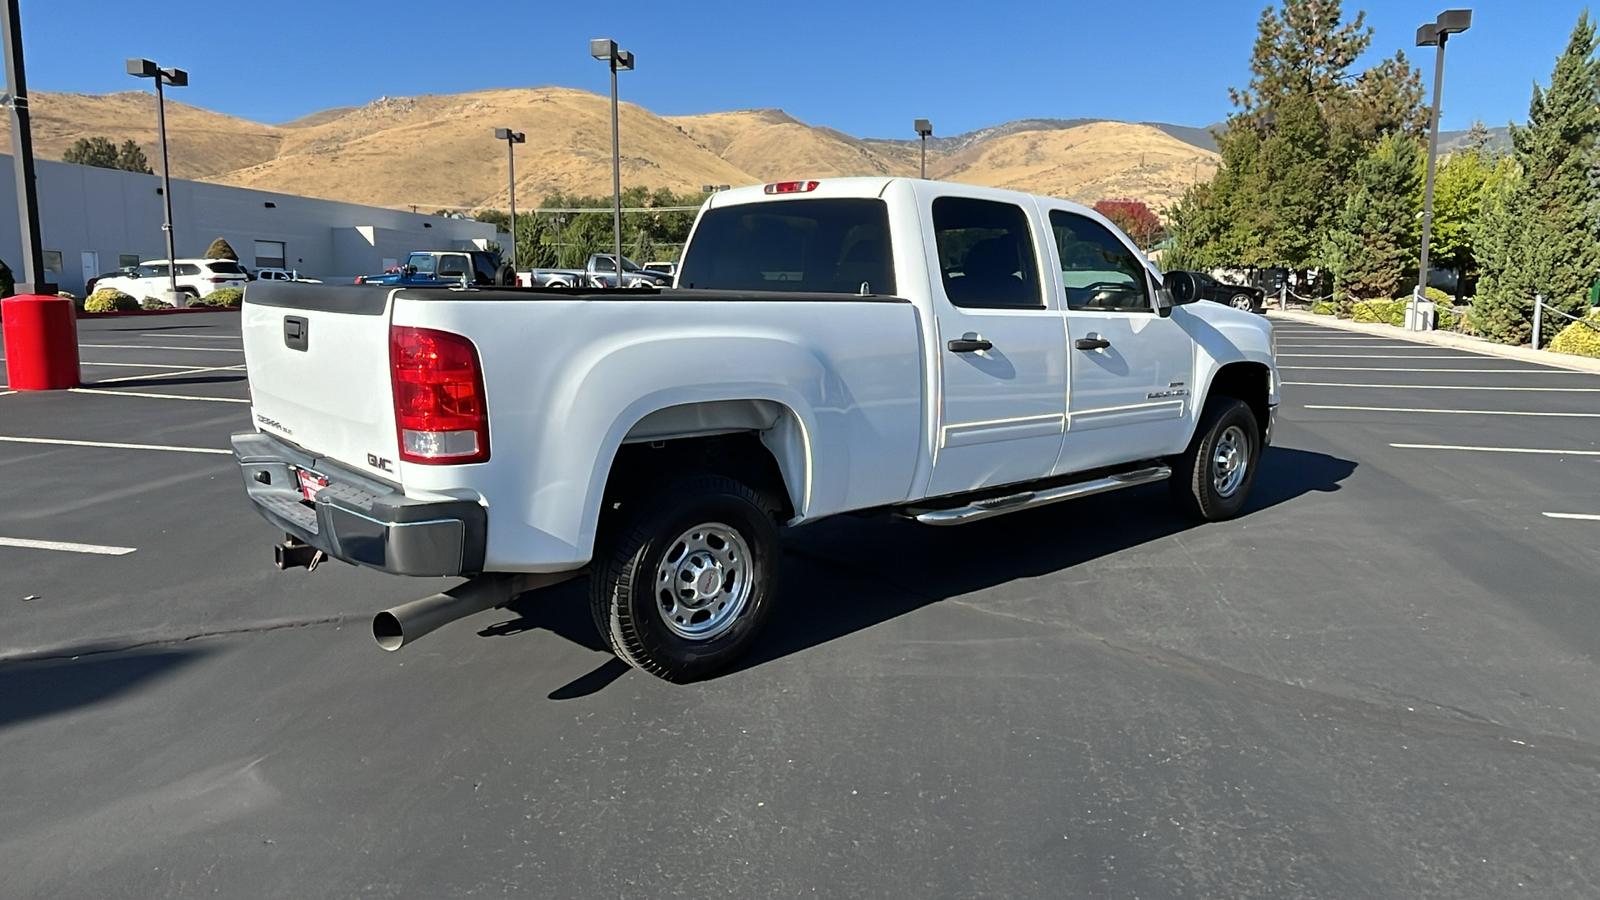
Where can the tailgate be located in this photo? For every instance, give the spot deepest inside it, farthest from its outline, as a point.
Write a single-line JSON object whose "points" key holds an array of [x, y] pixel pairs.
{"points": [[318, 360]]}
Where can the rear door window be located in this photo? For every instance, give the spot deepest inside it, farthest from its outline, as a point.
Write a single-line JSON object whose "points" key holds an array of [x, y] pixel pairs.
{"points": [[986, 256], [831, 245]]}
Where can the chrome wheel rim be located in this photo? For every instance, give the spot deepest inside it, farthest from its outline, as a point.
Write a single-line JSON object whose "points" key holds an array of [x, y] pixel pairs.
{"points": [[1229, 461], [1240, 301], [703, 581]]}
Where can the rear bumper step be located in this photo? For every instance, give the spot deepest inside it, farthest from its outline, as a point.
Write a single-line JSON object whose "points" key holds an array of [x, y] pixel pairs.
{"points": [[1008, 503], [356, 519]]}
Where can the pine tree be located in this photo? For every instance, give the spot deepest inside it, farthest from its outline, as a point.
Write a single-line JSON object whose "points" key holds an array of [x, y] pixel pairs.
{"points": [[1539, 233], [1370, 248], [97, 152], [220, 249], [1304, 123], [131, 159]]}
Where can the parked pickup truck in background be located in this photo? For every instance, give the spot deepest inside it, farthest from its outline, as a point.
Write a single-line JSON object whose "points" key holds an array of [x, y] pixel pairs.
{"points": [[599, 272], [446, 268], [940, 352]]}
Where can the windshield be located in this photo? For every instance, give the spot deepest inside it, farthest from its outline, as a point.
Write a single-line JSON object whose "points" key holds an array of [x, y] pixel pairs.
{"points": [[822, 245]]}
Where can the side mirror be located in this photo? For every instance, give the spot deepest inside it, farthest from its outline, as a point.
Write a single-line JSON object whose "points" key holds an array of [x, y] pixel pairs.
{"points": [[1182, 286]]}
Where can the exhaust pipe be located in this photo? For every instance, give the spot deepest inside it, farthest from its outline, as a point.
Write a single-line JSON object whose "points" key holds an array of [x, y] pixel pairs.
{"points": [[399, 626]]}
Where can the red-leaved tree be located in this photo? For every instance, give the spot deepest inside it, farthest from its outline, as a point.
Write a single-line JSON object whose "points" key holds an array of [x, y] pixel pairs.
{"points": [[1135, 219]]}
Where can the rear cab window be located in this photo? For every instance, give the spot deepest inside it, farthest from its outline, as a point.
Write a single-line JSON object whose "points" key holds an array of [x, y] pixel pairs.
{"points": [[822, 245]]}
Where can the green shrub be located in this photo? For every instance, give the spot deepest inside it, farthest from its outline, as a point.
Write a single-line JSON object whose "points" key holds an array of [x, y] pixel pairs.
{"points": [[154, 303], [225, 297], [1580, 338], [109, 300], [1322, 308], [1379, 311]]}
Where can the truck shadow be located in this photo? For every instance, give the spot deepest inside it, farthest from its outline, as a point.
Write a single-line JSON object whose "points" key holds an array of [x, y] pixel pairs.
{"points": [[847, 573], [32, 690]]}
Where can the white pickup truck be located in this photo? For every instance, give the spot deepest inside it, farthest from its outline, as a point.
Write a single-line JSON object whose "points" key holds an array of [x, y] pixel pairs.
{"points": [[941, 352]]}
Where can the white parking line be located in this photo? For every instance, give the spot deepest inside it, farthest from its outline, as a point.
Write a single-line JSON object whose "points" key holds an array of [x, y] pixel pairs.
{"points": [[1459, 412], [1394, 369], [100, 549], [162, 347], [158, 396], [1497, 449], [137, 365], [169, 374], [1381, 356], [1582, 516], [1443, 387], [112, 446]]}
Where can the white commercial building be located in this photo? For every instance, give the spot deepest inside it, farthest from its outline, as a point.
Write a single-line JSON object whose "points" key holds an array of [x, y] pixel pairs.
{"points": [[93, 220]]}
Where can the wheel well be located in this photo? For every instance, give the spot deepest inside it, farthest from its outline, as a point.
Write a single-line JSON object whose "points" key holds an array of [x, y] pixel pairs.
{"points": [[1250, 382], [640, 467]]}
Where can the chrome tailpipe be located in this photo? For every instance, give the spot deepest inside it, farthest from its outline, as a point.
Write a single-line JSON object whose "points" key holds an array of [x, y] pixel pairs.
{"points": [[399, 626]]}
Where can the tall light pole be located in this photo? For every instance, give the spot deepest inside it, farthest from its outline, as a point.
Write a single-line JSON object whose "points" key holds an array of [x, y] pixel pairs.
{"points": [[144, 68], [512, 139], [33, 275], [1434, 34], [606, 49], [924, 131]]}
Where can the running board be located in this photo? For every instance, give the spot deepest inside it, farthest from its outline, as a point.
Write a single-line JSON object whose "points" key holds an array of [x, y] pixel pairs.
{"points": [[996, 506]]}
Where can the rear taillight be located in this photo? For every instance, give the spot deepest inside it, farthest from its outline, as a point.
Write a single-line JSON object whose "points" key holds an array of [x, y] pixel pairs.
{"points": [[439, 404], [791, 187]]}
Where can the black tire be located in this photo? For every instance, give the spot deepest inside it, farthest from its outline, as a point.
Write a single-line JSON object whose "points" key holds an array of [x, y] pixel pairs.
{"points": [[687, 535], [505, 276], [1243, 301], [1203, 485]]}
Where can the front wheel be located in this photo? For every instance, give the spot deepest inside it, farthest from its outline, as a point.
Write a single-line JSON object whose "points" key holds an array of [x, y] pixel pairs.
{"points": [[683, 589], [1243, 301], [1213, 477]]}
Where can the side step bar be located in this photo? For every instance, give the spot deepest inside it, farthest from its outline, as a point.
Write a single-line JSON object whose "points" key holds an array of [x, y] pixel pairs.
{"points": [[996, 506]]}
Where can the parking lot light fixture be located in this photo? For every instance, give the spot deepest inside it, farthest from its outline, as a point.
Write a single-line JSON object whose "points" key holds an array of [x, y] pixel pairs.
{"points": [[144, 68], [924, 131], [512, 139], [1433, 34], [606, 49]]}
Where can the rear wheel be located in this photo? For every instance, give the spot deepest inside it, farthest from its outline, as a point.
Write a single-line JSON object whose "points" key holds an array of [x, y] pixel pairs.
{"points": [[683, 588], [1242, 301], [1213, 477]]}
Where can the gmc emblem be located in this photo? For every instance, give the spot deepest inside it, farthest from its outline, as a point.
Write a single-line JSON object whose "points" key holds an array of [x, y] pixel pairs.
{"points": [[380, 464]]}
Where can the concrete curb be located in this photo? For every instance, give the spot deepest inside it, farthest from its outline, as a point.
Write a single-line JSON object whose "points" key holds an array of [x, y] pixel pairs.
{"points": [[1446, 339]]}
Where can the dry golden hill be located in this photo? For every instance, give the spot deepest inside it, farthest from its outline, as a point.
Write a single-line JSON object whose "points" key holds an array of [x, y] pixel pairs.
{"points": [[1103, 160], [203, 143], [440, 151], [770, 144]]}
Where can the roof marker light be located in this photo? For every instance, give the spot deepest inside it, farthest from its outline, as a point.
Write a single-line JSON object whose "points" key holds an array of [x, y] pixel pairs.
{"points": [[791, 187]]}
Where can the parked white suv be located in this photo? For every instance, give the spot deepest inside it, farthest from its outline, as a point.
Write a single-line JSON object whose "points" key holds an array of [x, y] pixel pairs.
{"points": [[273, 274], [196, 278]]}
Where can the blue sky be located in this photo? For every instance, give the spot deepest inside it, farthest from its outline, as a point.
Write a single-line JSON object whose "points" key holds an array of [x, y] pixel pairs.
{"points": [[866, 68]]}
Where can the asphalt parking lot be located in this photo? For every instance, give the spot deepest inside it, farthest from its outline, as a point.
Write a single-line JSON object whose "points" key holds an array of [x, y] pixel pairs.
{"points": [[1380, 682]]}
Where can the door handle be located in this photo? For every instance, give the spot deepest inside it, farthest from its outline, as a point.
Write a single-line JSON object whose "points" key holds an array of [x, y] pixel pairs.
{"points": [[1092, 343], [968, 345]]}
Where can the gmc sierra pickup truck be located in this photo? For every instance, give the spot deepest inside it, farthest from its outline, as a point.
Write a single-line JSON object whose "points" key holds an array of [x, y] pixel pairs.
{"points": [[940, 352]]}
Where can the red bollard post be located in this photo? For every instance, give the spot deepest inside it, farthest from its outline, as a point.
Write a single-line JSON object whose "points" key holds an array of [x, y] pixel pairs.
{"points": [[41, 342]]}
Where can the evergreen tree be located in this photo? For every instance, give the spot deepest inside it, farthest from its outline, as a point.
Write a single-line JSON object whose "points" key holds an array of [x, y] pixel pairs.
{"points": [[220, 249], [92, 152], [1370, 248], [131, 159], [1303, 125], [1539, 232]]}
